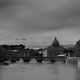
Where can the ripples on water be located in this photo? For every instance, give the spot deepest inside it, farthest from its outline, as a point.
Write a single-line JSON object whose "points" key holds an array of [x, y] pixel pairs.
{"points": [[34, 71]]}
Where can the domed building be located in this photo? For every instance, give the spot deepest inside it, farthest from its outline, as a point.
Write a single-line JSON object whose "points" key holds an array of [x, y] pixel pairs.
{"points": [[55, 48], [55, 43]]}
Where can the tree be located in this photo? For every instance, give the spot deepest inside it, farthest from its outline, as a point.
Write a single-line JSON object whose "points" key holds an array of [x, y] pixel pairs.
{"points": [[3, 54]]}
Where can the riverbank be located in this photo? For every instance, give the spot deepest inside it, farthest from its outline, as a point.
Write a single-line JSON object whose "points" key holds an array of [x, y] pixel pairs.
{"points": [[72, 60]]}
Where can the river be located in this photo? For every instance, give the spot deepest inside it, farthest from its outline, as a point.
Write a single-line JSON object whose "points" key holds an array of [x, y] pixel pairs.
{"points": [[35, 71]]}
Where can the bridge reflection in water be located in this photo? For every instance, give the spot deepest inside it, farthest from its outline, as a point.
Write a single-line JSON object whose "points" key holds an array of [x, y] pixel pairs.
{"points": [[29, 71]]}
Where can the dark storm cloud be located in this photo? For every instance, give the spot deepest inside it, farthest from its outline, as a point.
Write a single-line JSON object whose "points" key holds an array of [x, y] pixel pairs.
{"points": [[6, 3], [54, 15], [39, 15]]}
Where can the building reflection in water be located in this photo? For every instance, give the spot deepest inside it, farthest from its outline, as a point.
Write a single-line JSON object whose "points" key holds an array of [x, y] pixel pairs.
{"points": [[2, 68], [77, 73], [53, 69]]}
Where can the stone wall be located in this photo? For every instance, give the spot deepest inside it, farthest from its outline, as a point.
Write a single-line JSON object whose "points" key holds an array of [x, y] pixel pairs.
{"points": [[72, 60]]}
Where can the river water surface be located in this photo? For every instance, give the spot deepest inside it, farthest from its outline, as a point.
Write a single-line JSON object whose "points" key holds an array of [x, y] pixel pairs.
{"points": [[34, 71]]}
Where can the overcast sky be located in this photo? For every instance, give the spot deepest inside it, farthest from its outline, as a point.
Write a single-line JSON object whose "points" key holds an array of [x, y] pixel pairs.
{"points": [[39, 21]]}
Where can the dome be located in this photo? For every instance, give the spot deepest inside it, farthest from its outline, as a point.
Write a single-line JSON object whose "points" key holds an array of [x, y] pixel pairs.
{"points": [[55, 42]]}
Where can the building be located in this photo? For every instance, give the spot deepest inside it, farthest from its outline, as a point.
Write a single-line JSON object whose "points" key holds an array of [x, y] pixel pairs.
{"points": [[55, 48]]}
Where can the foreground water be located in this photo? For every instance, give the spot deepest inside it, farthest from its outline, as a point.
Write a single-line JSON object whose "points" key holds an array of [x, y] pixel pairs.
{"points": [[34, 71]]}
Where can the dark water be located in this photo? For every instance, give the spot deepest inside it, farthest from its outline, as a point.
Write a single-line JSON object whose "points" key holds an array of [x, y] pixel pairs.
{"points": [[33, 71]]}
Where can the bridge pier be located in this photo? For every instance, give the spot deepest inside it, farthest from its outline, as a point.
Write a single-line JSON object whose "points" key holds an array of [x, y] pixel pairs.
{"points": [[38, 59], [26, 59]]}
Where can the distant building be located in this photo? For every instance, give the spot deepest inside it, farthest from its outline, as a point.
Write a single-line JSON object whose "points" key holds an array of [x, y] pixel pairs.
{"points": [[55, 48], [55, 43], [45, 52]]}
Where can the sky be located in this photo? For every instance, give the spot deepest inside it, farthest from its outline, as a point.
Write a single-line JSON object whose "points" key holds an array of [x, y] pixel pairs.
{"points": [[37, 22]]}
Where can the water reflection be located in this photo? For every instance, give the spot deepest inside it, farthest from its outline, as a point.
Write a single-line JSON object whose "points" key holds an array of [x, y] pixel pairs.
{"points": [[78, 74], [33, 71]]}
